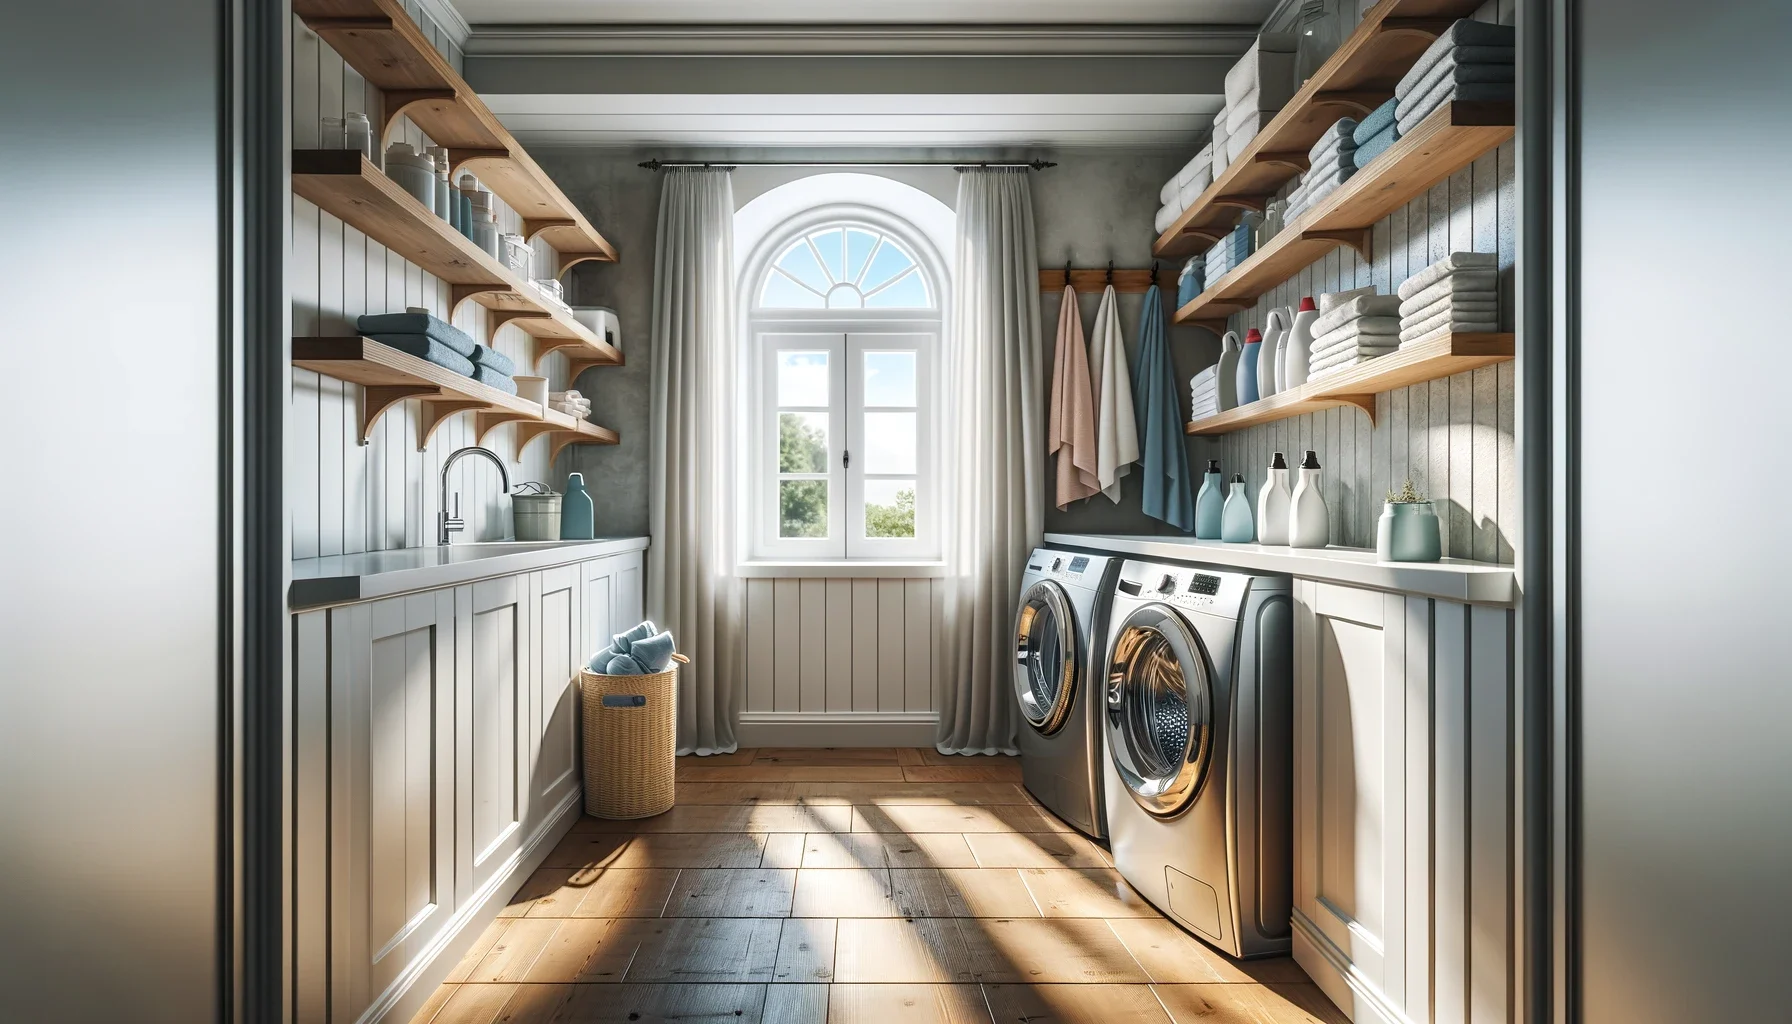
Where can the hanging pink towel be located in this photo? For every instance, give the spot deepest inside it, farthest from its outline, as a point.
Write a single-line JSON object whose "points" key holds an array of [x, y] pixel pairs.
{"points": [[1071, 434]]}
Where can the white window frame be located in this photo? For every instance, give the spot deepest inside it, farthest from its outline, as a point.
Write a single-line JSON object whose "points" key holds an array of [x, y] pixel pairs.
{"points": [[847, 334]]}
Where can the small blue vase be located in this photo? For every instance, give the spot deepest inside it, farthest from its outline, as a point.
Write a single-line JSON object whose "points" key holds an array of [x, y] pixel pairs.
{"points": [[1209, 503], [1408, 531], [578, 516], [1238, 527], [1247, 367]]}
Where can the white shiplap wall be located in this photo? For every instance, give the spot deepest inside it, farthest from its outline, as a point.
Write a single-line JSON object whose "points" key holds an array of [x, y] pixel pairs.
{"points": [[1453, 437], [841, 645], [346, 497]]}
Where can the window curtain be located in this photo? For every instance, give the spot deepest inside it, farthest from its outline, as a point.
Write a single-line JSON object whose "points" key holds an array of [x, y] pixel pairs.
{"points": [[994, 461], [691, 587]]}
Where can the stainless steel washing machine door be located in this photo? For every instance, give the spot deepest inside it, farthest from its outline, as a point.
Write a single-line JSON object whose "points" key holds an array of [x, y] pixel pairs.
{"points": [[1160, 709], [1045, 657]]}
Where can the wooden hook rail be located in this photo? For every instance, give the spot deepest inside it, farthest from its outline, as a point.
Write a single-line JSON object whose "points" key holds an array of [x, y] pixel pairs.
{"points": [[1094, 279]]}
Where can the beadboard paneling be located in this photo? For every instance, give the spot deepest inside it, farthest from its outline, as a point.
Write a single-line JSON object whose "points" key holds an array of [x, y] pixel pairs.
{"points": [[1452, 437], [840, 645], [346, 497]]}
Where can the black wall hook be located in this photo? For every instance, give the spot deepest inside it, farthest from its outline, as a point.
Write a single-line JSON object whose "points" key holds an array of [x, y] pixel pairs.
{"points": [[1110, 271]]}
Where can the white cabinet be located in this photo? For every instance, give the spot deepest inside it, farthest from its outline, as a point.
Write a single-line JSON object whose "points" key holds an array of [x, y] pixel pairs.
{"points": [[435, 762], [1403, 817]]}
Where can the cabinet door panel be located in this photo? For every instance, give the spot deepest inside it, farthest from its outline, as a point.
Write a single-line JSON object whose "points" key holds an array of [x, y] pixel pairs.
{"points": [[493, 741], [557, 631]]}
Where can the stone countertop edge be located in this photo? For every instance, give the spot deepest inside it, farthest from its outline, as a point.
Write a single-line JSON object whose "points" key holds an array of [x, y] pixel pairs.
{"points": [[347, 579], [1452, 579]]}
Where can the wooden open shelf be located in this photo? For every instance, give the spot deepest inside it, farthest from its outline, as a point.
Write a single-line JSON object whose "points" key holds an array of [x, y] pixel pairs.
{"points": [[344, 183], [390, 376], [1358, 77], [1439, 355], [1447, 141], [380, 41]]}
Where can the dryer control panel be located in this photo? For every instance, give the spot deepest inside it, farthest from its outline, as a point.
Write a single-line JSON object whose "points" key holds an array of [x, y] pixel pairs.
{"points": [[1187, 588], [1067, 568]]}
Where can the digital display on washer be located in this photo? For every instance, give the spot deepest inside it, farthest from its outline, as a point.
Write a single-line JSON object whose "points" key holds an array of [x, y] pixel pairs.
{"points": [[1079, 563], [1204, 584]]}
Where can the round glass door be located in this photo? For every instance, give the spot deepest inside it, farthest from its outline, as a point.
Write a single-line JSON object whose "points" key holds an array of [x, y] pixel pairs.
{"points": [[1159, 710], [1045, 656]]}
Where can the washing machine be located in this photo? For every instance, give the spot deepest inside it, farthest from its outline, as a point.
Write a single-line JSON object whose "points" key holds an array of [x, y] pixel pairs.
{"points": [[1198, 724], [1060, 636]]}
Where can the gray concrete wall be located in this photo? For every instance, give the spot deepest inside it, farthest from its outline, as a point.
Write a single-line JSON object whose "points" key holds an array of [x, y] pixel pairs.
{"points": [[1096, 205]]}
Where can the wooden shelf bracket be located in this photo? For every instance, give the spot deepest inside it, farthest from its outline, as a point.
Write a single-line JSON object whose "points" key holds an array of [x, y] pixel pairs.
{"points": [[1295, 159], [376, 399], [1358, 103], [437, 413], [1356, 238]]}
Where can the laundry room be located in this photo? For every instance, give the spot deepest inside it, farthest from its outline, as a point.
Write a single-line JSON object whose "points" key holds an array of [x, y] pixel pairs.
{"points": [[934, 512]]}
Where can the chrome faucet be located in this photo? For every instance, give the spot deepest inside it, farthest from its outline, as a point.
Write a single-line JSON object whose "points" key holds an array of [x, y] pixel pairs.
{"points": [[449, 525]]}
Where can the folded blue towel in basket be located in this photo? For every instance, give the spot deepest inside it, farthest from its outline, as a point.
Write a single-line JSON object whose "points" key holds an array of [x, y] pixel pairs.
{"points": [[641, 650]]}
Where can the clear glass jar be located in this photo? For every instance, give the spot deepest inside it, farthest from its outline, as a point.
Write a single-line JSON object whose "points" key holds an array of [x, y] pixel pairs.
{"points": [[358, 132], [330, 130]]}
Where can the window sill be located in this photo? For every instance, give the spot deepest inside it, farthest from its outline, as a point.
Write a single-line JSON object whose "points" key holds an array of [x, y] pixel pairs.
{"points": [[895, 569]]}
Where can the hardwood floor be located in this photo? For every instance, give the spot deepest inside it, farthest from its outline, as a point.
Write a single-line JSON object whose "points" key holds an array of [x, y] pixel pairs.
{"points": [[861, 886]]}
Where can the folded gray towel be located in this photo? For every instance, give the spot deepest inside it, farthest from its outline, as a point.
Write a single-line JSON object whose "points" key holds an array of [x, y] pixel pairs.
{"points": [[1315, 373], [1329, 301], [427, 349], [1356, 308], [1450, 70], [1445, 267], [1342, 133], [1462, 35], [488, 376], [486, 356], [1447, 91], [1463, 323], [1462, 284], [1380, 118], [1462, 307], [1366, 330], [421, 324]]}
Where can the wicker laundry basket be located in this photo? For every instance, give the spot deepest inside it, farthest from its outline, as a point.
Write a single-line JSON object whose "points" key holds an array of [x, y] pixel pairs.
{"points": [[631, 742]]}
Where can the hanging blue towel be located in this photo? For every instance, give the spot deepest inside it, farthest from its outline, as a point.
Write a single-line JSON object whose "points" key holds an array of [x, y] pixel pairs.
{"points": [[485, 355], [427, 349], [1167, 494], [423, 325]]}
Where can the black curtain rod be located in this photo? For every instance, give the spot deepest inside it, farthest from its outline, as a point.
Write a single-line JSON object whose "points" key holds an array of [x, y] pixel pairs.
{"points": [[1035, 165]]}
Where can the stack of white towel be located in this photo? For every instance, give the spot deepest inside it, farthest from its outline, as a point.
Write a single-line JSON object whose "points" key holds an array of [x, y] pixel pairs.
{"points": [[1457, 293], [1204, 394], [1330, 163], [1257, 87], [1353, 327], [1472, 61], [571, 403], [1180, 192]]}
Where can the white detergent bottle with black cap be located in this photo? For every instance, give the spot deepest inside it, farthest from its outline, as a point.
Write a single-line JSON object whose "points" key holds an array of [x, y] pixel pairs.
{"points": [[1309, 522], [1273, 502]]}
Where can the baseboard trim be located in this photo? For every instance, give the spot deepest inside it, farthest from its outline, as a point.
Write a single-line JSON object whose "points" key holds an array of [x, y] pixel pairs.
{"points": [[1360, 999], [410, 990], [837, 729]]}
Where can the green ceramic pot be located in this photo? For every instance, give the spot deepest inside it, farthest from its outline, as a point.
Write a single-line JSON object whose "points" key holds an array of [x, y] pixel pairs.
{"points": [[1408, 532]]}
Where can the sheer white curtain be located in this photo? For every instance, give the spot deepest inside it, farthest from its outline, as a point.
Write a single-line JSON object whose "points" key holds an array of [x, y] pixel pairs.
{"points": [[691, 587], [993, 456]]}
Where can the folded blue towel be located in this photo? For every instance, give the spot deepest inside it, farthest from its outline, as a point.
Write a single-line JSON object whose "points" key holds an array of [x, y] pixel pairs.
{"points": [[640, 631], [652, 653], [1379, 144], [623, 665], [492, 378], [485, 355], [1462, 35], [1371, 126], [427, 349], [376, 324], [1166, 494]]}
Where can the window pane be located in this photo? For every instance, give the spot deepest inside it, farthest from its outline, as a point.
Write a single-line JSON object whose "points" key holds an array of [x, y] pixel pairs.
{"points": [[889, 508], [800, 263], [803, 379], [802, 508], [858, 249], [845, 296], [889, 442], [783, 293], [889, 261], [908, 293], [803, 442], [833, 255], [889, 378]]}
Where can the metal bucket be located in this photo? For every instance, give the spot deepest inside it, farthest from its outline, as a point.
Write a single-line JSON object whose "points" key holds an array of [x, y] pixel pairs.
{"points": [[537, 516]]}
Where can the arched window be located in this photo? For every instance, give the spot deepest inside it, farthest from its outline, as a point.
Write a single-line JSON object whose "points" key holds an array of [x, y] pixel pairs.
{"points": [[843, 325]]}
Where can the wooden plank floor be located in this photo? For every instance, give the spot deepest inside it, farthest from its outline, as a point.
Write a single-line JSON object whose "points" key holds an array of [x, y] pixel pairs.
{"points": [[861, 886]]}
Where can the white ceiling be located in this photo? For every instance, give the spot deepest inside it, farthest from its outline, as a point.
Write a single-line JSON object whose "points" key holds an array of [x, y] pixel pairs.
{"points": [[953, 12]]}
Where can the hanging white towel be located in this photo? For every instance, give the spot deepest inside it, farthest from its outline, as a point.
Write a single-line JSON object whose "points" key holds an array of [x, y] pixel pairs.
{"points": [[1116, 427]]}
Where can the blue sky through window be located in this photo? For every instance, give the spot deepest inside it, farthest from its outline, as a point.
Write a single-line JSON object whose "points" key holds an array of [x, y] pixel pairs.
{"points": [[845, 268]]}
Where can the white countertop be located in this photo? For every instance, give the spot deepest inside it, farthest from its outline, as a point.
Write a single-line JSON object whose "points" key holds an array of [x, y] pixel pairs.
{"points": [[1453, 579], [342, 579]]}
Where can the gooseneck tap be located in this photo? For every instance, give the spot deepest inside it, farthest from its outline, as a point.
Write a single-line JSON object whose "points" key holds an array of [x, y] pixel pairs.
{"points": [[449, 525]]}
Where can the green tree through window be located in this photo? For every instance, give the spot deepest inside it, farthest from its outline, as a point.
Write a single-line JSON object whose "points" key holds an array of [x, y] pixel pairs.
{"points": [[802, 504], [897, 520]]}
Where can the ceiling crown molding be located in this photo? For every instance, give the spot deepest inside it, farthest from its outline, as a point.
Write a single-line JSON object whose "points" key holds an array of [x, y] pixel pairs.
{"points": [[857, 40], [449, 20]]}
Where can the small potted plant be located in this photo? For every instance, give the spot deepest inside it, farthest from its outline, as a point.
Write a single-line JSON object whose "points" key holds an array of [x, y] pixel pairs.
{"points": [[1408, 530]]}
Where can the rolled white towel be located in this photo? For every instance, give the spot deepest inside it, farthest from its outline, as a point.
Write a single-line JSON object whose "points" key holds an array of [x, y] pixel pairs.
{"points": [[1371, 305], [1444, 268], [1466, 284], [1166, 216]]}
